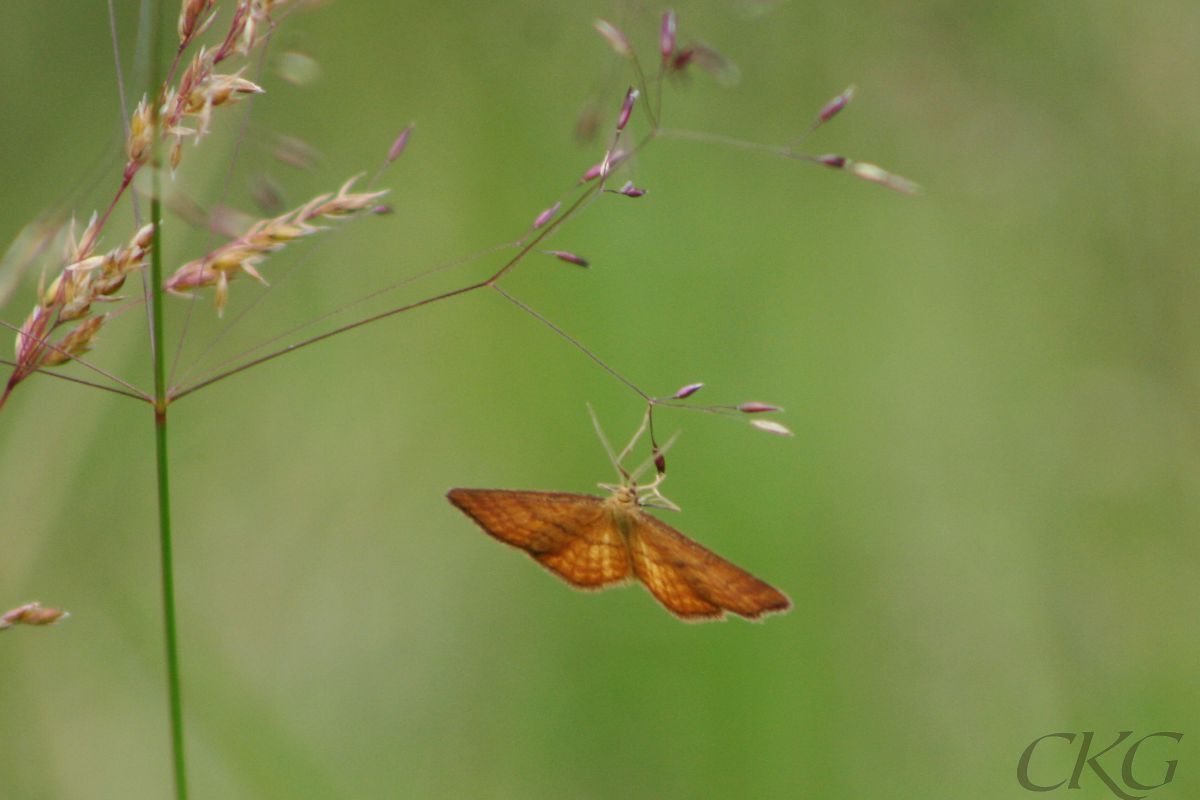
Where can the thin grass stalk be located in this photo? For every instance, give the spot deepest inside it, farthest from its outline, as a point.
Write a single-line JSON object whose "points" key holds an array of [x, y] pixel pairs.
{"points": [[166, 556], [161, 401]]}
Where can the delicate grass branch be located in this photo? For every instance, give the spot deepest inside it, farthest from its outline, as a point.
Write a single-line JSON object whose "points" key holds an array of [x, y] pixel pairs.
{"points": [[335, 312], [322, 337], [83, 382], [62, 355], [859, 169], [574, 342]]}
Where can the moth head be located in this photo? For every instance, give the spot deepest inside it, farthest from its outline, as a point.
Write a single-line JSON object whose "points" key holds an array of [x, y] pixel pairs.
{"points": [[629, 491]]}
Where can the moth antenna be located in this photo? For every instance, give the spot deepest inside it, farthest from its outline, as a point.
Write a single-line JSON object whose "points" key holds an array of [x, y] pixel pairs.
{"points": [[616, 462], [633, 442]]}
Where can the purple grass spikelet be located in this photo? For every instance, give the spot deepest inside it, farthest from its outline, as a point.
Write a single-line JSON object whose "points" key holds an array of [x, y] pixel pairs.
{"points": [[687, 391], [666, 36], [399, 144], [755, 407], [570, 258], [631, 96], [546, 215], [831, 109]]}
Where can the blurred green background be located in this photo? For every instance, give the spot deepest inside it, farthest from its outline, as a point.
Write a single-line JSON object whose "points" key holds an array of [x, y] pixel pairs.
{"points": [[987, 519]]}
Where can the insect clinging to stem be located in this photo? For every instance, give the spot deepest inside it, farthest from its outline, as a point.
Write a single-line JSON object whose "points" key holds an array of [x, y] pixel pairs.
{"points": [[593, 543]]}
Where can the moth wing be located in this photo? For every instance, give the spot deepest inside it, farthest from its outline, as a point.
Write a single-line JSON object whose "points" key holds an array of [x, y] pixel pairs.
{"points": [[693, 582], [572, 535]]}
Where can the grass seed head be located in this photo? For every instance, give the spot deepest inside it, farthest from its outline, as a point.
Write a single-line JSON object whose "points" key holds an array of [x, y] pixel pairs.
{"points": [[75, 343], [31, 614], [617, 40]]}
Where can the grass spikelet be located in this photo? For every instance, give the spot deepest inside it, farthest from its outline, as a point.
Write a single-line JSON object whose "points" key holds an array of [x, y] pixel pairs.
{"points": [[246, 252], [33, 614], [85, 280]]}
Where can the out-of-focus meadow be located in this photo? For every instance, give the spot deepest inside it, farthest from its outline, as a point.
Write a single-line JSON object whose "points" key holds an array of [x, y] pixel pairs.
{"points": [[987, 520]]}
